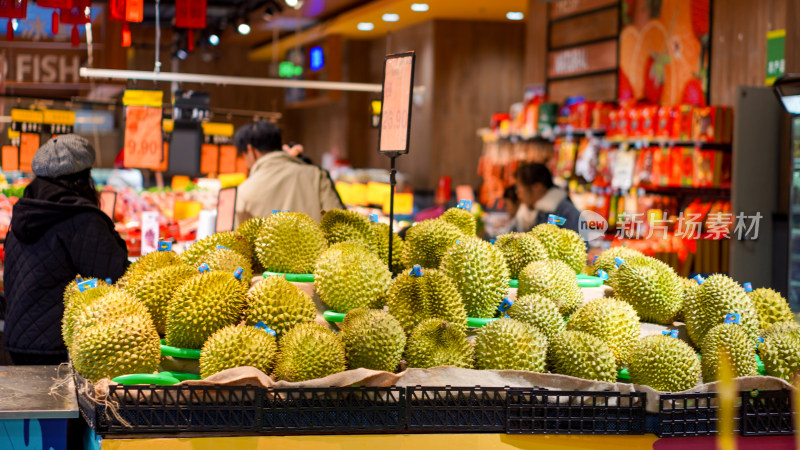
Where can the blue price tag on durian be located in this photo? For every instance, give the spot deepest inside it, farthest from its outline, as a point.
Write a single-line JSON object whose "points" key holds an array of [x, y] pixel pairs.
{"points": [[733, 318], [618, 261], [416, 271], [263, 327], [373, 218], [748, 287], [222, 247], [594, 260], [553, 219], [109, 282], [464, 204], [164, 246], [505, 304], [238, 273], [204, 268], [699, 278], [84, 286], [670, 333]]}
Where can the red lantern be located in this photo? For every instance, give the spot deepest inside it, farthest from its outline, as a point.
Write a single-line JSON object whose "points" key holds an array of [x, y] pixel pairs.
{"points": [[61, 4], [79, 14], [126, 35], [14, 9], [116, 10], [190, 14], [134, 10]]}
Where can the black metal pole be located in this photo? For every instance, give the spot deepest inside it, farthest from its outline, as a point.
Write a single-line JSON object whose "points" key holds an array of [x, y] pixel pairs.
{"points": [[392, 184]]}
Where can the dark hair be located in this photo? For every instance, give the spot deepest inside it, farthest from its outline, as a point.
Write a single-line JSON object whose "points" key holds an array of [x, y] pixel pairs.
{"points": [[532, 173], [510, 194], [82, 184], [263, 136]]}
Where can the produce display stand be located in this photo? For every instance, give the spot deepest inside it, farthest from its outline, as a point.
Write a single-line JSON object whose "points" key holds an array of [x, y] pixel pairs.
{"points": [[35, 406], [219, 416]]}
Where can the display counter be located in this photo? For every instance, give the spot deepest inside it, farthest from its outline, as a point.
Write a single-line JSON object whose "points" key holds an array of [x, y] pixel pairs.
{"points": [[36, 402]]}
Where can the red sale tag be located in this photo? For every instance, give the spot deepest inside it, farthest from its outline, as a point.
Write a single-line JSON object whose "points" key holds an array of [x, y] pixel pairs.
{"points": [[143, 138]]}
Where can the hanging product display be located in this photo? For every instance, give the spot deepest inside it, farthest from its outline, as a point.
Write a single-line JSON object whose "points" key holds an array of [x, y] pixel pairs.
{"points": [[78, 14], [143, 134]]}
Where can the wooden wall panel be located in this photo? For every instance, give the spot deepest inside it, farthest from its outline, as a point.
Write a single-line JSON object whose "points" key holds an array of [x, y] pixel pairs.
{"points": [[596, 87], [585, 28], [570, 7], [478, 72], [583, 59], [738, 51], [536, 44]]}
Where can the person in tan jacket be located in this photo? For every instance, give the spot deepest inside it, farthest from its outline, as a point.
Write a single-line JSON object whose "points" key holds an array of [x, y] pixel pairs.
{"points": [[278, 180]]}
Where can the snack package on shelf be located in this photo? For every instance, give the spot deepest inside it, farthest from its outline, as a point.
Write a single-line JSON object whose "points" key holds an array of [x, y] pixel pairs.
{"points": [[712, 124]]}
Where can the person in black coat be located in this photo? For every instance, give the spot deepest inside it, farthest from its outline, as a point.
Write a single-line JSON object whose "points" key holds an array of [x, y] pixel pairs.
{"points": [[57, 232]]}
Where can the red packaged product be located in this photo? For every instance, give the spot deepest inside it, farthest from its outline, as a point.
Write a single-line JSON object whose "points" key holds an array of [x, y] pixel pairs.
{"points": [[583, 114], [687, 166], [682, 123], [664, 125], [623, 123], [648, 126], [611, 130], [676, 166], [712, 124], [635, 123]]}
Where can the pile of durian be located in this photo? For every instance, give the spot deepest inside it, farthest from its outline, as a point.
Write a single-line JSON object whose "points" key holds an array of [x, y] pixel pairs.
{"points": [[415, 315]]}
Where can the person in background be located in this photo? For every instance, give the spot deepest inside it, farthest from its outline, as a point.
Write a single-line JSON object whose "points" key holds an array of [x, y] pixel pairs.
{"points": [[57, 232], [540, 197], [511, 201], [278, 180]]}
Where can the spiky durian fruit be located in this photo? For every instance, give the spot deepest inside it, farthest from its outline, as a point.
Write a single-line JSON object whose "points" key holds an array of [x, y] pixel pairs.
{"points": [[309, 351], [428, 241], [519, 250], [279, 304], [613, 321], [563, 245], [146, 264], [653, 289], [225, 260], [734, 341], [116, 303], [462, 219], [348, 276], [435, 342], [509, 344], [480, 274], [77, 302], [581, 355], [771, 307], [195, 255], [339, 225], [781, 354], [552, 279], [425, 294], [664, 363], [711, 301], [201, 306], [380, 240], [372, 339], [605, 261], [538, 311], [290, 243], [237, 346], [157, 288]]}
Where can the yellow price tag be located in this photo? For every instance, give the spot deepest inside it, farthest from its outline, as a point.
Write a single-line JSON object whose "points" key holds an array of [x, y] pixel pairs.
{"points": [[359, 194], [26, 116], [59, 117], [133, 97], [217, 129], [377, 193], [403, 204]]}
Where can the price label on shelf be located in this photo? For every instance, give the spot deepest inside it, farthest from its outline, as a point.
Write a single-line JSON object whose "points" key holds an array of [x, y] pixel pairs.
{"points": [[398, 81], [144, 148], [623, 170]]}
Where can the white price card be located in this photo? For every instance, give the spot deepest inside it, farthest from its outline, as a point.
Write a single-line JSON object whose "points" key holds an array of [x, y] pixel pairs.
{"points": [[149, 232], [398, 83]]}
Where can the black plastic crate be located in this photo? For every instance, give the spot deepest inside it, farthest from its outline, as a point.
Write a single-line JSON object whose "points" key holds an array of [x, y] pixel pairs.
{"points": [[448, 409], [766, 413], [689, 415], [575, 412], [334, 410]]}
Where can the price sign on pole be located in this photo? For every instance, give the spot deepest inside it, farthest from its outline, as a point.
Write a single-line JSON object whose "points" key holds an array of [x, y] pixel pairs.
{"points": [[144, 147], [398, 84]]}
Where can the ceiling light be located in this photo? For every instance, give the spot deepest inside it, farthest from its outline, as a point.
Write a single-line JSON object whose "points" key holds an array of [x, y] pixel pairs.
{"points": [[391, 17], [296, 4], [213, 40], [366, 26], [243, 28], [514, 15], [419, 7]]}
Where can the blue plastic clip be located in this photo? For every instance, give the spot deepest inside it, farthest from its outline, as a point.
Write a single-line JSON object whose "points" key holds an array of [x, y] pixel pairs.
{"points": [[164, 246], [373, 218], [618, 261], [222, 247], [748, 287], [204, 268], [760, 339], [108, 281], [84, 286], [670, 333], [732, 318], [464, 204], [276, 211], [594, 260], [492, 241], [238, 273], [699, 278], [416, 271], [602, 274], [553, 219], [262, 326], [505, 304], [458, 242], [506, 316]]}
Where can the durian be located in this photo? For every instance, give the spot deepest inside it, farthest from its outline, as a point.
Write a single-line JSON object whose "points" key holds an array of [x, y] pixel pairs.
{"points": [[653, 289], [733, 340], [508, 344], [431, 294], [462, 219], [552, 279], [290, 243], [480, 274], [780, 327], [115, 304], [581, 355], [146, 264], [372, 339], [201, 306], [348, 276], [711, 301], [224, 260], [309, 351], [76, 303], [380, 240], [125, 345], [781, 354], [519, 250], [279, 304], [251, 229], [435, 342], [665, 364], [339, 225], [613, 321], [237, 346], [606, 262], [538, 311], [196, 253], [771, 307], [428, 241], [562, 244], [157, 288]]}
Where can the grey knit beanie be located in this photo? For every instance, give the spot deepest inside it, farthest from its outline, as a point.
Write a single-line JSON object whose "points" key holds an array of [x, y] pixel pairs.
{"points": [[63, 155]]}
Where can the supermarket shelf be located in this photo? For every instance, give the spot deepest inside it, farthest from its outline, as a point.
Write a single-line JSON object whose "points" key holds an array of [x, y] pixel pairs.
{"points": [[688, 191], [564, 131], [674, 143]]}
